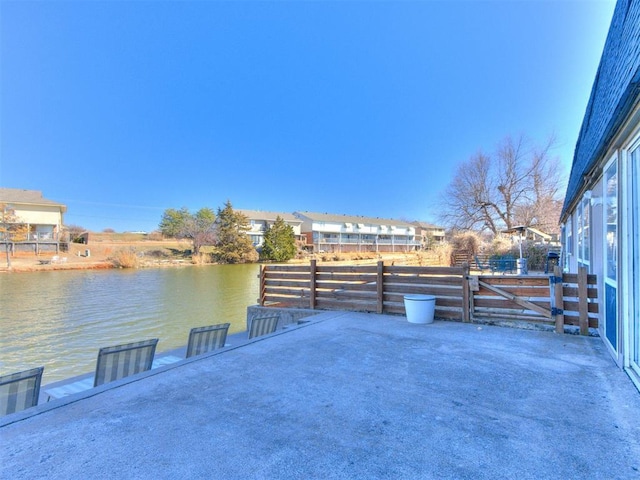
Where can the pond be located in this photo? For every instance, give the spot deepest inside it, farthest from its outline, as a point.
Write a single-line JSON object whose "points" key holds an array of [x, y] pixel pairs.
{"points": [[60, 319]]}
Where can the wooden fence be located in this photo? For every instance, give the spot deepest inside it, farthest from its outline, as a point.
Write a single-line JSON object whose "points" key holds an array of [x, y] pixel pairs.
{"points": [[558, 299]]}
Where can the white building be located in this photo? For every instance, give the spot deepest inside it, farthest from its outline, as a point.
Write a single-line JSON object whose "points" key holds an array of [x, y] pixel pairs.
{"points": [[346, 233], [260, 221], [43, 217]]}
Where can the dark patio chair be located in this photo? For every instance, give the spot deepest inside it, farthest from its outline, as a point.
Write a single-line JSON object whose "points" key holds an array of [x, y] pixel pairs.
{"points": [[121, 361], [508, 264], [482, 266], [502, 263], [205, 339], [19, 391], [263, 326]]}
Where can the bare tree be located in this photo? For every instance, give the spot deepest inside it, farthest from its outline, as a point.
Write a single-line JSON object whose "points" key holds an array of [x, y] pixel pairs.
{"points": [[12, 229], [198, 227], [519, 185], [468, 196]]}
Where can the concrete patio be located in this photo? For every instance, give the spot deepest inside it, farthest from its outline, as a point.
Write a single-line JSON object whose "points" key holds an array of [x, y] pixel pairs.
{"points": [[350, 396]]}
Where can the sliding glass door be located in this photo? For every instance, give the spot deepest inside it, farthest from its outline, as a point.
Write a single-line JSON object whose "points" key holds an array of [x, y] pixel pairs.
{"points": [[610, 254], [634, 321]]}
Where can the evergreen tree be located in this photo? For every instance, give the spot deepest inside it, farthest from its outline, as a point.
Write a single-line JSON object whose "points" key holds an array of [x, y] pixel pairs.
{"points": [[279, 242], [173, 222], [233, 244]]}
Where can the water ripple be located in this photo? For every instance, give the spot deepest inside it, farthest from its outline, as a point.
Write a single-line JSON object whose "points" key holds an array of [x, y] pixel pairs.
{"points": [[60, 319]]}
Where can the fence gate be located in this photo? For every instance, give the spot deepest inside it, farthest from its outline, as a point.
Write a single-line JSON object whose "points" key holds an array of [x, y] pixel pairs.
{"points": [[559, 299]]}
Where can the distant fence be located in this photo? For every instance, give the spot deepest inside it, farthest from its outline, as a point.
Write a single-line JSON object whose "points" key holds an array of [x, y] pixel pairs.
{"points": [[559, 299]]}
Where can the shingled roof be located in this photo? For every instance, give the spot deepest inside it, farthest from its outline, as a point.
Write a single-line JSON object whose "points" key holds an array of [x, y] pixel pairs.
{"points": [[331, 217], [269, 216], [615, 92], [26, 197]]}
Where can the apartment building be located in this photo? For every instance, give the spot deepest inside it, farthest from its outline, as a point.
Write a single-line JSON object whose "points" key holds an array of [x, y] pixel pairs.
{"points": [[347, 233]]}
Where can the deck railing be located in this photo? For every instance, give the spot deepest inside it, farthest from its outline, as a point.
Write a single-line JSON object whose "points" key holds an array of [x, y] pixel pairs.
{"points": [[556, 300]]}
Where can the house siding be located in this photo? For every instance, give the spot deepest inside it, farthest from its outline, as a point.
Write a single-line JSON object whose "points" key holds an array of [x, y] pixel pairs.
{"points": [[44, 218], [604, 188]]}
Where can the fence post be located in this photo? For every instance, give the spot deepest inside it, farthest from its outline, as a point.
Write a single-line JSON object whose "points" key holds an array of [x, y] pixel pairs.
{"points": [[263, 269], [380, 286], [312, 284], [583, 307], [466, 304], [557, 298]]}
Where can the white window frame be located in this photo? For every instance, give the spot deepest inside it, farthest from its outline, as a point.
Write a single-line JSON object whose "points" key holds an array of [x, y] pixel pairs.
{"points": [[628, 302], [569, 248], [583, 253], [605, 254], [608, 280]]}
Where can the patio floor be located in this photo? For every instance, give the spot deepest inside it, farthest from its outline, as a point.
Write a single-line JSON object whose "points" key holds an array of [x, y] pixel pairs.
{"points": [[349, 395]]}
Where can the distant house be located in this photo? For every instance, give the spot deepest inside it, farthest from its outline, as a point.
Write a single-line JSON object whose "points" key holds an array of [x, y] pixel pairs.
{"points": [[601, 213], [429, 234], [260, 221], [347, 233], [43, 217]]}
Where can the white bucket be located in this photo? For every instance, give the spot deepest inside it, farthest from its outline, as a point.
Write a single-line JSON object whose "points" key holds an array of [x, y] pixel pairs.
{"points": [[420, 308]]}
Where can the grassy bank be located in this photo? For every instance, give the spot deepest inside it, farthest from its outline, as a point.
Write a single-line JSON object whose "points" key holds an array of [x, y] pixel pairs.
{"points": [[132, 250]]}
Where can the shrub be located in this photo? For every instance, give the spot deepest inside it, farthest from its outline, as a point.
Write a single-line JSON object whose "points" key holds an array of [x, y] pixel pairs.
{"points": [[501, 246], [155, 236], [469, 241], [125, 258], [443, 253], [535, 254], [201, 258]]}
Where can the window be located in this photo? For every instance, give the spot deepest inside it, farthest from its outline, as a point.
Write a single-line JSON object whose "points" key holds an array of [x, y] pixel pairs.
{"points": [[611, 220], [610, 234], [586, 252], [582, 221], [569, 233]]}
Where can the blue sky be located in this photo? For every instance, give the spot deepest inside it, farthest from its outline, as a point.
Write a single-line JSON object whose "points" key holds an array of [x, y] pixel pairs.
{"points": [[122, 109]]}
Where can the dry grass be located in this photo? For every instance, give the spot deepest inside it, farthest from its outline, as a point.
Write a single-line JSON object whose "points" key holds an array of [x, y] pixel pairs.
{"points": [[347, 256], [202, 258], [125, 258]]}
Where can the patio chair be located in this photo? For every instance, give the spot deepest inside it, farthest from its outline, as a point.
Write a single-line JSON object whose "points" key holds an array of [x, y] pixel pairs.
{"points": [[205, 339], [19, 391], [263, 326], [506, 263], [120, 361], [483, 266]]}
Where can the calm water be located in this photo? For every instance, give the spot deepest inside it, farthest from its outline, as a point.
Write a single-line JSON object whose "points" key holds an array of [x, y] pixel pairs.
{"points": [[60, 319]]}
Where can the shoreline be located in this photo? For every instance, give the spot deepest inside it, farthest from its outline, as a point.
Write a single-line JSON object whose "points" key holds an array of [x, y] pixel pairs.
{"points": [[98, 255]]}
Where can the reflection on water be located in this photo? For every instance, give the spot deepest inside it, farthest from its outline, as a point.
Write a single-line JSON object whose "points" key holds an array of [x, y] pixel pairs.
{"points": [[60, 319]]}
